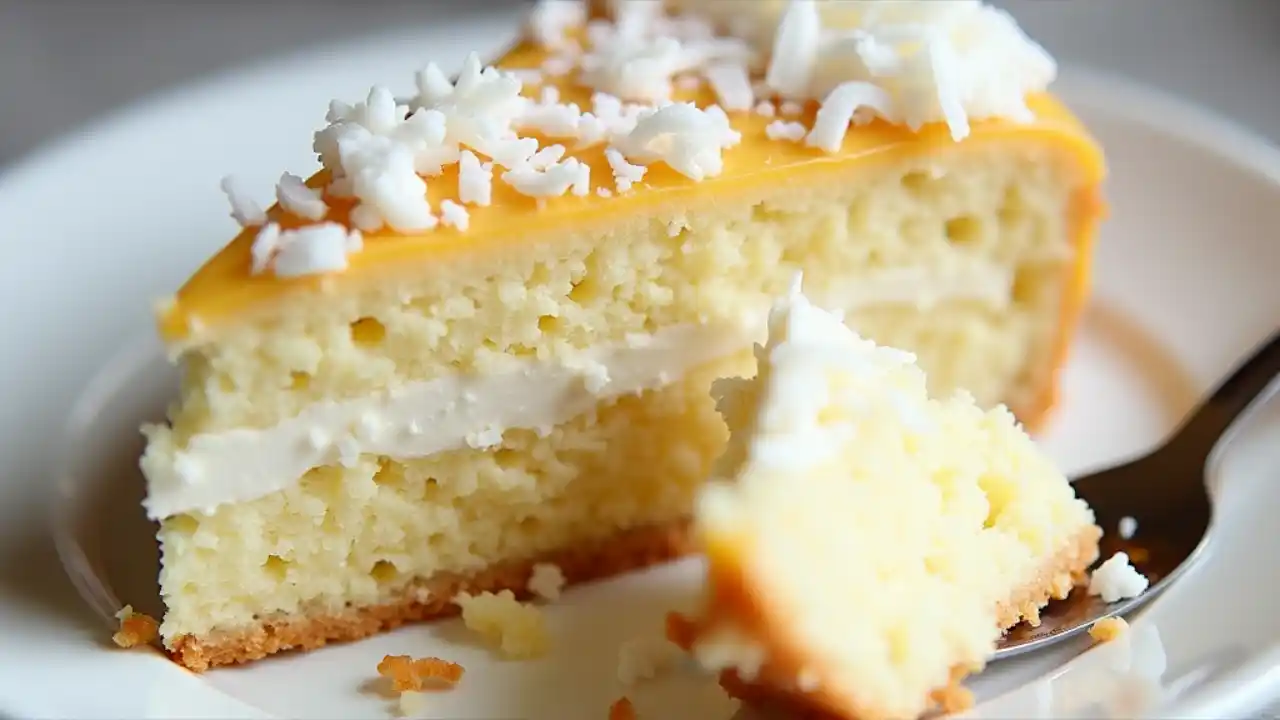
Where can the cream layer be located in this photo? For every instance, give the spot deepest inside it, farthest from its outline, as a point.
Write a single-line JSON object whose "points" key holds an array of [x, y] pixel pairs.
{"points": [[458, 411]]}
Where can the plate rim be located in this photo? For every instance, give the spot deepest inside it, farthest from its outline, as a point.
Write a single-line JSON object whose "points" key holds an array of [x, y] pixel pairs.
{"points": [[1108, 92]]}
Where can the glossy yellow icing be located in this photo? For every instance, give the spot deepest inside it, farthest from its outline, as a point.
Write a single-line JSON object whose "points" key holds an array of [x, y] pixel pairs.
{"points": [[224, 287]]}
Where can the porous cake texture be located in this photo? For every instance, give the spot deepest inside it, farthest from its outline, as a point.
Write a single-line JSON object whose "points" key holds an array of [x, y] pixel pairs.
{"points": [[482, 336], [868, 543]]}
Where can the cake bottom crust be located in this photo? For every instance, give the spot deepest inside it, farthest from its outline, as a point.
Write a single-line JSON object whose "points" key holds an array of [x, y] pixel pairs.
{"points": [[1054, 581], [432, 598]]}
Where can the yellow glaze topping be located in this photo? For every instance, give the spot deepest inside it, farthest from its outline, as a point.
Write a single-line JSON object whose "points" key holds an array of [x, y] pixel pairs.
{"points": [[225, 287]]}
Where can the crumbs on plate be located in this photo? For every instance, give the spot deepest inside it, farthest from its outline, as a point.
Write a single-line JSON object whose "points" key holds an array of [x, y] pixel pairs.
{"points": [[135, 628], [1108, 629], [622, 709], [409, 675]]}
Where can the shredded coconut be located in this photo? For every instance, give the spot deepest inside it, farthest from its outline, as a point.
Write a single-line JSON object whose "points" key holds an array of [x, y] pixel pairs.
{"points": [[308, 250], [732, 86], [245, 211], [784, 130], [1116, 580], [935, 61], [295, 197], [609, 119], [795, 50], [558, 65], [546, 157], [689, 140], [637, 56], [264, 247], [550, 20], [475, 180], [552, 119], [766, 109], [527, 76], [546, 581], [688, 83], [839, 109], [645, 658], [553, 181], [480, 109], [624, 173], [377, 157], [454, 215]]}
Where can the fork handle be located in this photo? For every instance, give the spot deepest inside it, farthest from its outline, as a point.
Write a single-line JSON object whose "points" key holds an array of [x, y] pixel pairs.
{"points": [[1246, 384]]}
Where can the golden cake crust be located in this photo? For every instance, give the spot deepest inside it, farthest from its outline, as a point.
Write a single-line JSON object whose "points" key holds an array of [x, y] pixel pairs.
{"points": [[1055, 580], [625, 551]]}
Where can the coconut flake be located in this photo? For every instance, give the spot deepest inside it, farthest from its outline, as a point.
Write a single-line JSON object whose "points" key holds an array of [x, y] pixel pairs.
{"points": [[784, 130], [454, 215], [383, 177], [550, 20], [945, 62], [838, 110], [475, 180], [732, 86], [688, 83], [482, 105], [625, 174], [686, 138], [245, 211], [637, 57], [558, 65], [376, 156], [308, 250], [1116, 579], [553, 181], [795, 50], [546, 157], [366, 218], [528, 77], [264, 248], [295, 197], [553, 119], [610, 118]]}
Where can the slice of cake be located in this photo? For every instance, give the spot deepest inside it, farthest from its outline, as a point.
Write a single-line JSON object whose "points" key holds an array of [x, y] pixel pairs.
{"points": [[867, 544], [481, 337]]}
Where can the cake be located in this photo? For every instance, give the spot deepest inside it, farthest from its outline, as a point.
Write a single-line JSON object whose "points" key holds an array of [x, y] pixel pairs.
{"points": [[867, 543], [481, 337]]}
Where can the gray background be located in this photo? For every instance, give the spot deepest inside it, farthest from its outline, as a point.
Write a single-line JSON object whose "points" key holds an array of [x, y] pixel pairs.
{"points": [[65, 62]]}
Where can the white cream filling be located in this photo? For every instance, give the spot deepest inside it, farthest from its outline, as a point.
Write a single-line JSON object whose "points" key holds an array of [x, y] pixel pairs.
{"points": [[454, 412]]}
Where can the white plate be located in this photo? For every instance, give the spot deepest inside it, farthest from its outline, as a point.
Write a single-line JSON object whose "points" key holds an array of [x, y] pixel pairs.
{"points": [[97, 226]]}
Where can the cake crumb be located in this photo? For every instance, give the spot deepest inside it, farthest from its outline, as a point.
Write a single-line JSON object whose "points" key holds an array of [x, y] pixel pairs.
{"points": [[646, 658], [680, 630], [135, 628], [546, 581], [409, 675], [517, 630], [1108, 629], [622, 709], [412, 704], [953, 698]]}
